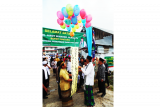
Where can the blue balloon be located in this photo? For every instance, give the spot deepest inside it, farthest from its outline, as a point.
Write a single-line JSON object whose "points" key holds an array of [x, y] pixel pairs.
{"points": [[84, 24], [64, 12], [83, 20], [69, 28], [76, 10], [74, 20], [72, 25]]}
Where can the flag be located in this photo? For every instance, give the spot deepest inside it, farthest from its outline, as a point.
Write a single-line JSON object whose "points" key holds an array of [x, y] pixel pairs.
{"points": [[93, 46]]}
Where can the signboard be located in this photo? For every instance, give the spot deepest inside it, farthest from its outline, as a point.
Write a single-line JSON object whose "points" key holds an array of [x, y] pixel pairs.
{"points": [[52, 37], [74, 69], [109, 60]]}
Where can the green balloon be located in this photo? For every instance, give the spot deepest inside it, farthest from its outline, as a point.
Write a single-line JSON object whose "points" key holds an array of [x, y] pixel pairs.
{"points": [[63, 26], [67, 21], [69, 9]]}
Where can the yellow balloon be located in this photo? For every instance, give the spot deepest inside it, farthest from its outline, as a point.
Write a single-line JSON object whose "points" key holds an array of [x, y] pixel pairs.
{"points": [[74, 29], [77, 26], [79, 21]]}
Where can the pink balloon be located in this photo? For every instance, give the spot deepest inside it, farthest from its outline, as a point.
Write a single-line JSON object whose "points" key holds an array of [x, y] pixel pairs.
{"points": [[88, 18], [60, 22], [82, 13], [84, 17], [88, 24], [67, 25], [60, 15]]}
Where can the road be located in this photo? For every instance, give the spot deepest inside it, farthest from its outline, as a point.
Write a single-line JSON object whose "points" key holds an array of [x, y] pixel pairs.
{"points": [[78, 98]]}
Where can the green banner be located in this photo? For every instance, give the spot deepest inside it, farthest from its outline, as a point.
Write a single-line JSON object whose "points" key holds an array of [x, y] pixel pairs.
{"points": [[52, 37], [109, 60]]}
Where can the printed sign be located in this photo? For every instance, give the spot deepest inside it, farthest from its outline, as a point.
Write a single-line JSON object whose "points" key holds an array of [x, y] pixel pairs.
{"points": [[74, 68]]}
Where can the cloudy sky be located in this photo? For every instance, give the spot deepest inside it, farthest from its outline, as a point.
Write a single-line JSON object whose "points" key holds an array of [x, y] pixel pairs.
{"points": [[101, 11]]}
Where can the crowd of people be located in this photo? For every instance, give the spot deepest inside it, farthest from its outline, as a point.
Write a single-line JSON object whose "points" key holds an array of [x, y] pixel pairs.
{"points": [[88, 70]]}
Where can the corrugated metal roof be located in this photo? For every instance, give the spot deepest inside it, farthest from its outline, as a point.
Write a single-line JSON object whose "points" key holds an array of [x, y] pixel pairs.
{"points": [[105, 41]]}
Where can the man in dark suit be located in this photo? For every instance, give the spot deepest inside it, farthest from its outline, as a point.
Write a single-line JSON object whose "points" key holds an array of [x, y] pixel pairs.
{"points": [[101, 78], [106, 72]]}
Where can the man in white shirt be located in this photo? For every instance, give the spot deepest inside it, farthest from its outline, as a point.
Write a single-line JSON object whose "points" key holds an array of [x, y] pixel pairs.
{"points": [[89, 73]]}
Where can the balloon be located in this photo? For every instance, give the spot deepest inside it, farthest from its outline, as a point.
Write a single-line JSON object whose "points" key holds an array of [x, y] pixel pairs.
{"points": [[73, 14], [69, 29], [74, 29], [64, 12], [88, 18], [72, 25], [82, 13], [67, 21], [63, 26], [84, 17], [88, 24], [79, 17], [84, 24], [71, 34], [83, 20], [77, 26], [76, 23], [76, 10], [60, 22], [67, 25], [79, 21], [60, 15], [69, 9], [74, 19]]}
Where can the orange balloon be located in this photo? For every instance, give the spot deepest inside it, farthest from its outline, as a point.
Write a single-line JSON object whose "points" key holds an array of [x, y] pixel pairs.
{"points": [[71, 34]]}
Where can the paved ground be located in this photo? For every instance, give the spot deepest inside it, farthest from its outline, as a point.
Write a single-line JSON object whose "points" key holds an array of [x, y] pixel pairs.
{"points": [[78, 98]]}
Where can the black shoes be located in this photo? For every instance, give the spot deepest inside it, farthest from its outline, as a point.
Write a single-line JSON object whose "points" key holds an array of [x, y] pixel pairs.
{"points": [[45, 97], [103, 95]]}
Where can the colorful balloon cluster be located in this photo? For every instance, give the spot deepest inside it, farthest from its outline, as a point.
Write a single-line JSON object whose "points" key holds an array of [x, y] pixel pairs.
{"points": [[74, 18]]}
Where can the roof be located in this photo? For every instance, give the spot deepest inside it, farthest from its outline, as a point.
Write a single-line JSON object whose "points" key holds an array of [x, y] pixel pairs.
{"points": [[105, 41], [105, 30]]}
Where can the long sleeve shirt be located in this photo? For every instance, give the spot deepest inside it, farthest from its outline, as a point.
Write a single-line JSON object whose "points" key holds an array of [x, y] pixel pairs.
{"points": [[89, 73], [101, 72]]}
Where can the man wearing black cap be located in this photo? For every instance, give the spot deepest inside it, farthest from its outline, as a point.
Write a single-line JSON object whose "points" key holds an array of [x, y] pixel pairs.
{"points": [[101, 77], [89, 82]]}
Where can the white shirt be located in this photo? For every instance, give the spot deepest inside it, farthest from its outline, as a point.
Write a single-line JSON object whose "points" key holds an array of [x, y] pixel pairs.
{"points": [[89, 72], [54, 64], [48, 70], [69, 66], [45, 72]]}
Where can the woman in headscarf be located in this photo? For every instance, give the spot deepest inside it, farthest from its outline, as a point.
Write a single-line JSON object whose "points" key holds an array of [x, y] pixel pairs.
{"points": [[65, 86]]}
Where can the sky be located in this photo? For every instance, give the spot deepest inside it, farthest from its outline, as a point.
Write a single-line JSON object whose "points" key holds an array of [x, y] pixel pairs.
{"points": [[100, 10]]}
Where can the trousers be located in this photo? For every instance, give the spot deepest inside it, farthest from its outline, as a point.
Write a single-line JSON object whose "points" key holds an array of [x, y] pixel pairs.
{"points": [[106, 77], [101, 86], [59, 91]]}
